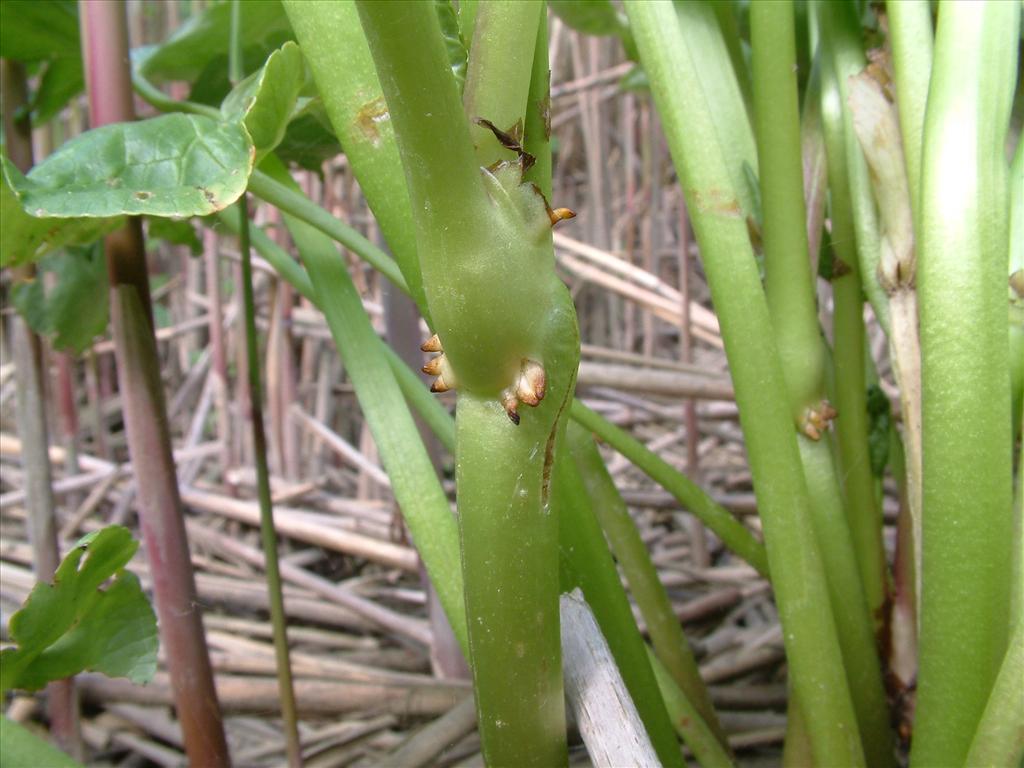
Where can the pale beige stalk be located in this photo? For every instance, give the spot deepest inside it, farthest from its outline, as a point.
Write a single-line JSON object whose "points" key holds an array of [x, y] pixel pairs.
{"points": [[876, 123]]}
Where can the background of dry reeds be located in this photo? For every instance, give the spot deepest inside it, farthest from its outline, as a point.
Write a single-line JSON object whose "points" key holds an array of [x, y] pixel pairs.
{"points": [[378, 680]]}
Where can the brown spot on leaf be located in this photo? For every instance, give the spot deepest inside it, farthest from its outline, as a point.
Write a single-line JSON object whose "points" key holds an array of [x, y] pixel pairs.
{"points": [[142, 195]]}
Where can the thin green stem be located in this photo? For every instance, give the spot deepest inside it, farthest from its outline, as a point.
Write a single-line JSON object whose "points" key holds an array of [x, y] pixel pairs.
{"points": [[862, 509], [301, 207], [500, 65], [687, 719], [731, 531], [413, 479], [842, 46], [816, 666], [587, 563], [791, 301], [910, 34], [967, 481], [335, 48], [631, 553], [268, 536], [789, 284]]}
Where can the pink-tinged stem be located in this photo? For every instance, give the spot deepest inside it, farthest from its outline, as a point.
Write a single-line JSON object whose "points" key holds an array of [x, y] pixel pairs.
{"points": [[105, 47]]}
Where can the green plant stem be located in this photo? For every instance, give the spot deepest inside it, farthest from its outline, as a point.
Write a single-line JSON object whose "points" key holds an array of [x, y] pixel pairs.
{"points": [[268, 537], [789, 284], [510, 555], [791, 301], [798, 578], [862, 508], [713, 515], [538, 113], [699, 737], [910, 34], [333, 44], [413, 479], [967, 480], [853, 622], [485, 251], [301, 207], [500, 66], [631, 553], [729, 108], [842, 46], [417, 395], [587, 563]]}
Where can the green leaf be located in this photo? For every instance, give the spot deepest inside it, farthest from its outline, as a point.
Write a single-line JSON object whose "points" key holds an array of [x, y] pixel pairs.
{"points": [[72, 625], [35, 30], [309, 140], [75, 307], [592, 17], [174, 231], [264, 101], [455, 46], [62, 80], [635, 80], [203, 38], [596, 17], [879, 420], [174, 165], [24, 238], [23, 749]]}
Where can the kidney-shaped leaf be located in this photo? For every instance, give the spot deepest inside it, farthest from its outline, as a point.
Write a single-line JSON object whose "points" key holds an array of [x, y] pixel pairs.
{"points": [[174, 165], [72, 625], [24, 238], [265, 100]]}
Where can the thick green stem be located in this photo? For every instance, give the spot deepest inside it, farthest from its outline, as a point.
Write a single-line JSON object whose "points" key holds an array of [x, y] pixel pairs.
{"points": [[510, 555], [508, 330], [967, 482], [816, 667]]}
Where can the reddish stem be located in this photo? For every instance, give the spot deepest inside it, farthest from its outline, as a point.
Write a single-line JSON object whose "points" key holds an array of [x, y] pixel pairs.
{"points": [[105, 49]]}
